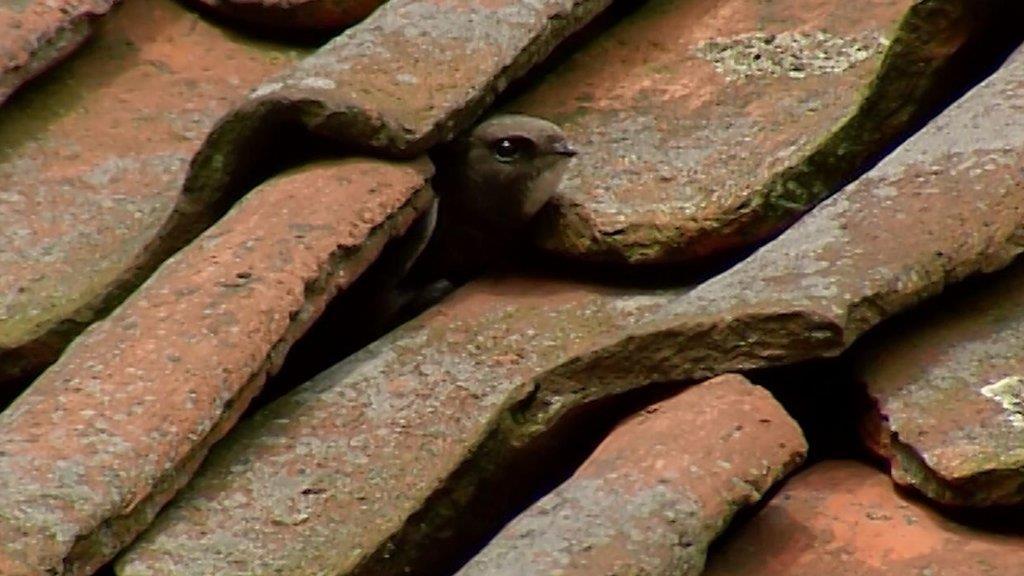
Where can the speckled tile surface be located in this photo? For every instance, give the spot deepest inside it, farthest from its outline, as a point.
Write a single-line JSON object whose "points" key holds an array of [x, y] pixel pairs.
{"points": [[93, 449]]}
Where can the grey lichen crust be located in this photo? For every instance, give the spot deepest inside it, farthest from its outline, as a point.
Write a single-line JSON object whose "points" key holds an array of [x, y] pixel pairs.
{"points": [[711, 196], [908, 84], [792, 54]]}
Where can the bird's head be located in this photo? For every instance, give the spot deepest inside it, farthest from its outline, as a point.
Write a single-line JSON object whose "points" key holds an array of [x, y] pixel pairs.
{"points": [[513, 165]]}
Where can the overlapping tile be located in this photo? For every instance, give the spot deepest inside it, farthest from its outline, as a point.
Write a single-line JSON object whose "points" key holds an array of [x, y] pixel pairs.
{"points": [[324, 479], [845, 518], [92, 164], [657, 491], [948, 386], [357, 470], [947, 204], [948, 389], [413, 74], [710, 125], [295, 15], [93, 449], [38, 34], [376, 87]]}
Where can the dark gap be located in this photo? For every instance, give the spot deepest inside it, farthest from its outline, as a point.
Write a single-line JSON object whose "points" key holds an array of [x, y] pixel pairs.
{"points": [[623, 275], [283, 143], [806, 388], [959, 299], [498, 483], [279, 143], [979, 57], [828, 402], [105, 570], [803, 389], [11, 389], [827, 399], [347, 325], [277, 146]]}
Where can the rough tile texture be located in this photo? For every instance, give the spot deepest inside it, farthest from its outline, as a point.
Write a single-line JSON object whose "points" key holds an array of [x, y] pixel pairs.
{"points": [[378, 86], [947, 204], [92, 164], [93, 449], [948, 385], [657, 490], [38, 34], [712, 125], [321, 480], [355, 470], [843, 518], [949, 390], [295, 15]]}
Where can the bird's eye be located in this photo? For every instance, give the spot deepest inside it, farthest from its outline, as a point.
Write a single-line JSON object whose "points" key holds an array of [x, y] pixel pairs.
{"points": [[509, 149]]}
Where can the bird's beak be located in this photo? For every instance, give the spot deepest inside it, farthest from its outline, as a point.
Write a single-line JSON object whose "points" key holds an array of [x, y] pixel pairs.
{"points": [[565, 149]]}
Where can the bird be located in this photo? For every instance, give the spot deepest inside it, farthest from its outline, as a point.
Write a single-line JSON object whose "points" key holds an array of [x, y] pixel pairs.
{"points": [[490, 184]]}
